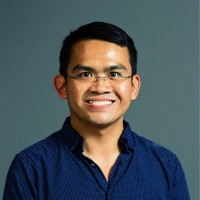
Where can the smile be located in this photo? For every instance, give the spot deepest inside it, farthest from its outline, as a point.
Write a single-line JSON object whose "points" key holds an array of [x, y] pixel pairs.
{"points": [[99, 103]]}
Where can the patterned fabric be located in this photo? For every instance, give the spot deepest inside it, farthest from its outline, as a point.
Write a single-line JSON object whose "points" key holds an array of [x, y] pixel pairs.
{"points": [[56, 169]]}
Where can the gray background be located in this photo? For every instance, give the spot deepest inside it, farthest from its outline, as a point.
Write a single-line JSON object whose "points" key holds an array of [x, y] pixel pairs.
{"points": [[166, 34]]}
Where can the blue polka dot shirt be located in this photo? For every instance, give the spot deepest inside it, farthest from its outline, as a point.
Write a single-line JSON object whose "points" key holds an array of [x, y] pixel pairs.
{"points": [[56, 169]]}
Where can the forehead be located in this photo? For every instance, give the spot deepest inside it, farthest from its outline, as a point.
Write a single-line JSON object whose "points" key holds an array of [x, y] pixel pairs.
{"points": [[98, 53]]}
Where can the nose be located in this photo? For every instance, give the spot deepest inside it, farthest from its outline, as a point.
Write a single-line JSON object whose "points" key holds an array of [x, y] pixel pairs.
{"points": [[101, 85], [101, 77]]}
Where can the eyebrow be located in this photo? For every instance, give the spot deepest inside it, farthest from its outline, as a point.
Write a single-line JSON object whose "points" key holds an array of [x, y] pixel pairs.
{"points": [[91, 69], [113, 67], [82, 67]]}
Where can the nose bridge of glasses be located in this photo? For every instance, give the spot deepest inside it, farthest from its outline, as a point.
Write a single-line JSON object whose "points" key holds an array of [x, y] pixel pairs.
{"points": [[101, 84], [105, 78]]}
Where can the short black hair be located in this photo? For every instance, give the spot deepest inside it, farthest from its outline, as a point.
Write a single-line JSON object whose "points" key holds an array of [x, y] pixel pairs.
{"points": [[100, 31]]}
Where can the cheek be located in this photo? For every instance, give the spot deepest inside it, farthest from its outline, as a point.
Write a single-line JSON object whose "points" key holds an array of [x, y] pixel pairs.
{"points": [[75, 92], [123, 88], [125, 91]]}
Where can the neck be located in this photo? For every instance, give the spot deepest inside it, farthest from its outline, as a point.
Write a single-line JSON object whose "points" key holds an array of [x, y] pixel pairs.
{"points": [[101, 143], [100, 139]]}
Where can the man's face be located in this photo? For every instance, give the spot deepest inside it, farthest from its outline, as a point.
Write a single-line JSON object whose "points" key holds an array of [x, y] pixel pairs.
{"points": [[101, 102]]}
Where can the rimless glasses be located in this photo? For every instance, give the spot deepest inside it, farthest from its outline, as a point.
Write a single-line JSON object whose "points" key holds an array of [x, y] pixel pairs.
{"points": [[91, 77]]}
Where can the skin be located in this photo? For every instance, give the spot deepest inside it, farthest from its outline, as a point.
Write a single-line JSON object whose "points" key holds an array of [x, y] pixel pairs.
{"points": [[97, 108]]}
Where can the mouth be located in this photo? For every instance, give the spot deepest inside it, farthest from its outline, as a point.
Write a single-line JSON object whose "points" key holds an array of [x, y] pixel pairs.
{"points": [[100, 103]]}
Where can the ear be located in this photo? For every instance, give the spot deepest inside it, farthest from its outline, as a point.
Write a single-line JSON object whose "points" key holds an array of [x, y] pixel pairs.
{"points": [[60, 85], [135, 86]]}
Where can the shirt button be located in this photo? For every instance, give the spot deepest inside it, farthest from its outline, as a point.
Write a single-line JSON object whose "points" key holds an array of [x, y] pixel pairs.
{"points": [[92, 164]]}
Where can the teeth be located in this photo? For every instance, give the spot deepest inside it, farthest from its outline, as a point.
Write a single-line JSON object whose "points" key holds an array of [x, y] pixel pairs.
{"points": [[100, 103]]}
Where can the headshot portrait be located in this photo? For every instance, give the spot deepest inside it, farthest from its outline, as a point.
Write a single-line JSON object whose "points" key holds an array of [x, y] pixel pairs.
{"points": [[99, 100]]}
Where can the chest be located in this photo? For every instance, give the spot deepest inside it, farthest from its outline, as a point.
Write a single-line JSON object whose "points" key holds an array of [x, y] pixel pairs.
{"points": [[76, 177]]}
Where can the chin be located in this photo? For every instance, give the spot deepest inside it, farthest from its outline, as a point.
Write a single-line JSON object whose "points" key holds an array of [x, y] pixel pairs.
{"points": [[103, 122]]}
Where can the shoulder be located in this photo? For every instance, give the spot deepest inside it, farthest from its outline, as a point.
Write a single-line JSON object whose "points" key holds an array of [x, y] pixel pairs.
{"points": [[152, 148], [157, 157], [43, 149], [159, 167], [27, 169], [33, 161]]}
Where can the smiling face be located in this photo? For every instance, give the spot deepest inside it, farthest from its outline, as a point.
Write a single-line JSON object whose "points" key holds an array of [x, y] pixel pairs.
{"points": [[100, 102]]}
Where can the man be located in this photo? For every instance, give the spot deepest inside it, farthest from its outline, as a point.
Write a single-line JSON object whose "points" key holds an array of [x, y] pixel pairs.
{"points": [[96, 155]]}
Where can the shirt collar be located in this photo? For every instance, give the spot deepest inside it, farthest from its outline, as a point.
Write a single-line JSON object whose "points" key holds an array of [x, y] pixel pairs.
{"points": [[71, 136], [127, 138], [74, 140]]}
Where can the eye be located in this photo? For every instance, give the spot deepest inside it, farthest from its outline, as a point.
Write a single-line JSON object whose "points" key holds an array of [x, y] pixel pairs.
{"points": [[114, 74], [85, 75]]}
